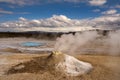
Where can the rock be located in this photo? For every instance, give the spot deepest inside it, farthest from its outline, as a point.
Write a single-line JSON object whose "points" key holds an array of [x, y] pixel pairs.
{"points": [[55, 62], [70, 65]]}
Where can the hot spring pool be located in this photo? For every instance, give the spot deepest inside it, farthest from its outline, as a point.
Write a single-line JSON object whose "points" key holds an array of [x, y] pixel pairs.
{"points": [[32, 44]]}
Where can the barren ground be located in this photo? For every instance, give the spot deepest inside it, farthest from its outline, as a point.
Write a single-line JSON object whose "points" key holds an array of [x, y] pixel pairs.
{"points": [[105, 68]]}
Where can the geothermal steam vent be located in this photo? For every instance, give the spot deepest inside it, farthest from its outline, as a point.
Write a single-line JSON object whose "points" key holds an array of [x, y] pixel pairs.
{"points": [[56, 61]]}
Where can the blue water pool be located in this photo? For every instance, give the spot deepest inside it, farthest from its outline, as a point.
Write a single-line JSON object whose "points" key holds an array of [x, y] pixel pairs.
{"points": [[32, 44]]}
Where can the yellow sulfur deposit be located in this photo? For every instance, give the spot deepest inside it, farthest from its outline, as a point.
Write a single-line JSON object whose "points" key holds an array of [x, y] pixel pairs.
{"points": [[56, 52]]}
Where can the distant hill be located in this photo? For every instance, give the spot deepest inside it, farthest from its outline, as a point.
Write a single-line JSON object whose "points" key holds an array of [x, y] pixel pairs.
{"points": [[44, 35], [32, 34]]}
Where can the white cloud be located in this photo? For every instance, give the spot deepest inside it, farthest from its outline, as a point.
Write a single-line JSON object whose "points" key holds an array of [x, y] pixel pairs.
{"points": [[75, 1], [2, 11], [22, 19], [117, 6], [5, 12], [97, 2], [108, 21], [112, 11], [32, 2], [96, 10], [62, 23], [20, 2], [22, 13]]}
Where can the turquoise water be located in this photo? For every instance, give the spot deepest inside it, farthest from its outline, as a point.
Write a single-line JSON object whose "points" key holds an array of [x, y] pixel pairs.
{"points": [[32, 44]]}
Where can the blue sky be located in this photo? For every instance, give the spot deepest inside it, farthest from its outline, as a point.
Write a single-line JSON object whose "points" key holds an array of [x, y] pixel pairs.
{"points": [[38, 9], [59, 15]]}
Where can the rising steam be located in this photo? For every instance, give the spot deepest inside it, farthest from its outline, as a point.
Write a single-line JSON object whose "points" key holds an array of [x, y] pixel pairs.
{"points": [[89, 41], [70, 42], [114, 42]]}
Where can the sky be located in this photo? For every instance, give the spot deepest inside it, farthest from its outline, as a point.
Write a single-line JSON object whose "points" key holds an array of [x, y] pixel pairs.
{"points": [[20, 14]]}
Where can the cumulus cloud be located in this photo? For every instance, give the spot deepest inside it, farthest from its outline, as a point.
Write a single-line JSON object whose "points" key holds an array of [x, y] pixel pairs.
{"points": [[63, 23], [108, 21], [97, 2], [112, 11], [22, 19]]}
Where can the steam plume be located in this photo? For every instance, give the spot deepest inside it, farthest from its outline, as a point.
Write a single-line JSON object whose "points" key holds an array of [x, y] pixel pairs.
{"points": [[114, 42], [89, 40], [70, 43]]}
